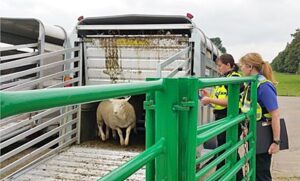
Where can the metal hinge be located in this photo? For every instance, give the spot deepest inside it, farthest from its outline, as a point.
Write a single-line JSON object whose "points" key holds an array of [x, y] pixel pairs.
{"points": [[184, 105], [149, 105]]}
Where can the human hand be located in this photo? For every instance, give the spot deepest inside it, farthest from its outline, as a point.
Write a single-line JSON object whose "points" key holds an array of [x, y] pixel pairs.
{"points": [[274, 148], [245, 132], [205, 93], [205, 100]]}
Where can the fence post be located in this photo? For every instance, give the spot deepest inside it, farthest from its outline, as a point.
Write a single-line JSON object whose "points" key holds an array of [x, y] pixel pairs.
{"points": [[252, 128], [188, 127], [166, 127], [149, 106], [232, 111]]}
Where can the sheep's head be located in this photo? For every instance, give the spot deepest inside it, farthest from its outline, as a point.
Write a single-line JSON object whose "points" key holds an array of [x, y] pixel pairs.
{"points": [[119, 107]]}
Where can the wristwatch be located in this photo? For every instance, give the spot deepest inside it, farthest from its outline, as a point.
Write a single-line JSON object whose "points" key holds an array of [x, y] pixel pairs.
{"points": [[277, 142]]}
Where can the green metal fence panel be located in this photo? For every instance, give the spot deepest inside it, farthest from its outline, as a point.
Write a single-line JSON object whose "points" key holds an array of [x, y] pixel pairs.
{"points": [[232, 111], [188, 113], [166, 126], [252, 127], [171, 125], [230, 124], [12, 102], [149, 106]]}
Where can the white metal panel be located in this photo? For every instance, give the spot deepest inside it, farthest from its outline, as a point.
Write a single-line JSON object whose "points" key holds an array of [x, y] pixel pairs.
{"points": [[28, 126], [133, 53], [128, 74], [145, 64], [131, 58]]}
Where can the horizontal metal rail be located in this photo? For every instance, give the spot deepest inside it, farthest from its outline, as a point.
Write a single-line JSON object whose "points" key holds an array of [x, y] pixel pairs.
{"points": [[28, 121], [201, 138], [40, 150], [17, 63], [11, 119], [218, 172], [14, 133], [46, 155], [36, 140], [229, 174], [37, 69], [12, 102], [42, 79], [127, 169], [15, 47], [37, 57], [176, 69], [15, 56], [213, 153], [210, 125], [220, 158], [210, 82], [64, 83], [18, 82], [35, 129], [34, 59], [165, 63]]}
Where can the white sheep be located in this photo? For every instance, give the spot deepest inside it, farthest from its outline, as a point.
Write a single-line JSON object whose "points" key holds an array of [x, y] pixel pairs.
{"points": [[116, 114]]}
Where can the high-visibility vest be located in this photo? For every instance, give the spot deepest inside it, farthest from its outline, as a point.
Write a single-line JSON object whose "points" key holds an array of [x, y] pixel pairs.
{"points": [[220, 92], [261, 112]]}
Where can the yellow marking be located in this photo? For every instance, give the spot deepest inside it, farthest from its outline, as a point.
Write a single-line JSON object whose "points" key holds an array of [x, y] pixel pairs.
{"points": [[131, 42]]}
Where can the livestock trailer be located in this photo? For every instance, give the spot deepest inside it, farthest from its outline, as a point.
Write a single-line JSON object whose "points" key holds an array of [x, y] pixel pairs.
{"points": [[131, 48], [100, 50]]}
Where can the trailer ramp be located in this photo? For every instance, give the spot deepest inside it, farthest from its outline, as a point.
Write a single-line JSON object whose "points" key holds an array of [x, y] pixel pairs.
{"points": [[80, 163]]}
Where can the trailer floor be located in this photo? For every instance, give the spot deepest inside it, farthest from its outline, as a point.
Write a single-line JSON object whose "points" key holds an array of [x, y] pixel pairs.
{"points": [[88, 161]]}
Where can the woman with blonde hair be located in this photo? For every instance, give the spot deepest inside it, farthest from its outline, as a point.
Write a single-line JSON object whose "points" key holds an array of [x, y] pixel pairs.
{"points": [[267, 111]]}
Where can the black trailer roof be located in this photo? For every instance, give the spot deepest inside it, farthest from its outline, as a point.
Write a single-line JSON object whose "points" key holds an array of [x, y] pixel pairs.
{"points": [[135, 19], [19, 31]]}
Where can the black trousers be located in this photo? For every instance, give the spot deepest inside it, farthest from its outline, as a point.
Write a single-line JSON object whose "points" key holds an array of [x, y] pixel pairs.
{"points": [[263, 165]]}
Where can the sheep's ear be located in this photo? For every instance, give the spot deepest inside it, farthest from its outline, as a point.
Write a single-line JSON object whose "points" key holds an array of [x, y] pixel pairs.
{"points": [[127, 99]]}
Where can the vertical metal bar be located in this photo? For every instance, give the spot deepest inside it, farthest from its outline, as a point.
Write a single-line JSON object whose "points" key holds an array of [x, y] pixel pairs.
{"points": [[150, 133], [188, 128], [192, 58], [84, 58], [252, 128], [64, 109], [41, 48], [166, 126], [79, 84], [232, 111]]}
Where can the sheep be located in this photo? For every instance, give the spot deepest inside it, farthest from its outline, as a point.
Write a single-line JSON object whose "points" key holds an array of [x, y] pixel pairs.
{"points": [[116, 114]]}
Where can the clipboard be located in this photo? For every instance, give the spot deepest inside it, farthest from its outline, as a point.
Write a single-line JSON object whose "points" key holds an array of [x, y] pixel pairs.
{"points": [[265, 137]]}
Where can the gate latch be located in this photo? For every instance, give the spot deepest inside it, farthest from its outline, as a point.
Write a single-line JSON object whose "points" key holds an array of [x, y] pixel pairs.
{"points": [[184, 105], [149, 105]]}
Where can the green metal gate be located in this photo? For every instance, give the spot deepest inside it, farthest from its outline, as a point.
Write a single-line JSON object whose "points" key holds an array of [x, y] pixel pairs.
{"points": [[172, 133]]}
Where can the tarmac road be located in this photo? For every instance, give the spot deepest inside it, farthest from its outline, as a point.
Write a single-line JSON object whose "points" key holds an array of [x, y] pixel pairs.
{"points": [[286, 164]]}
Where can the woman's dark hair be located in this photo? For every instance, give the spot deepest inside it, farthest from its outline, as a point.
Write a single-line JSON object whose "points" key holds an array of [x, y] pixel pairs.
{"points": [[228, 59]]}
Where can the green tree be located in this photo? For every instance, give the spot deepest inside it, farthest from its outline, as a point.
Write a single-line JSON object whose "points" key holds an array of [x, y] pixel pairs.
{"points": [[218, 42], [289, 59], [278, 62]]}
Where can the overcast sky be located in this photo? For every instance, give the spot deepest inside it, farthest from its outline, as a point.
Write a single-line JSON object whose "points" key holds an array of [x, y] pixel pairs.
{"points": [[262, 26]]}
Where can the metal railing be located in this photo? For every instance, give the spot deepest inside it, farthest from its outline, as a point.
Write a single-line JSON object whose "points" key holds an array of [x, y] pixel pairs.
{"points": [[186, 64], [171, 125], [25, 131]]}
